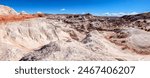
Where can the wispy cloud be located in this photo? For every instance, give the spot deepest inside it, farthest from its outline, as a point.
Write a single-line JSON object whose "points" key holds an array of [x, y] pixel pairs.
{"points": [[63, 9], [119, 14]]}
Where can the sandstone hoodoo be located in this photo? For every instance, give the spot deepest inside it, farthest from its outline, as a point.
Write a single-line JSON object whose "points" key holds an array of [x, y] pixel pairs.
{"points": [[40, 37]]}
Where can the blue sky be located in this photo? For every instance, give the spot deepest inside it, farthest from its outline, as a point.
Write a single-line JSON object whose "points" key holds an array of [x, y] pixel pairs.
{"points": [[97, 7]]}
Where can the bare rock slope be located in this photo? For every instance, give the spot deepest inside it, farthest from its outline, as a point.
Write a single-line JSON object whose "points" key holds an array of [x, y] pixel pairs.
{"points": [[75, 37], [5, 10]]}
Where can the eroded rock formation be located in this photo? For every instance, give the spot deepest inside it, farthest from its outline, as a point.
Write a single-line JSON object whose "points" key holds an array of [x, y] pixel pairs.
{"points": [[60, 37], [5, 10]]}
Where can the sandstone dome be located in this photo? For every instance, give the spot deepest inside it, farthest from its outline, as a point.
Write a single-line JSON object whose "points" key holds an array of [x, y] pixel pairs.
{"points": [[5, 10]]}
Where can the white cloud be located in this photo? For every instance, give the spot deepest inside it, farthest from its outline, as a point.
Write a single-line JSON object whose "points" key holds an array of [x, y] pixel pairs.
{"points": [[119, 14], [107, 14], [133, 13], [39, 12], [63, 9], [23, 12]]}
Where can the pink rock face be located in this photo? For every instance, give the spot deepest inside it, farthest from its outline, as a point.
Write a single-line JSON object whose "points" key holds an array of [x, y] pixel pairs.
{"points": [[15, 18], [8, 14]]}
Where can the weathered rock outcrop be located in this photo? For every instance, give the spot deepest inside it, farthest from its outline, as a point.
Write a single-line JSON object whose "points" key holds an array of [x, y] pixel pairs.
{"points": [[74, 37], [5, 10], [133, 39]]}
